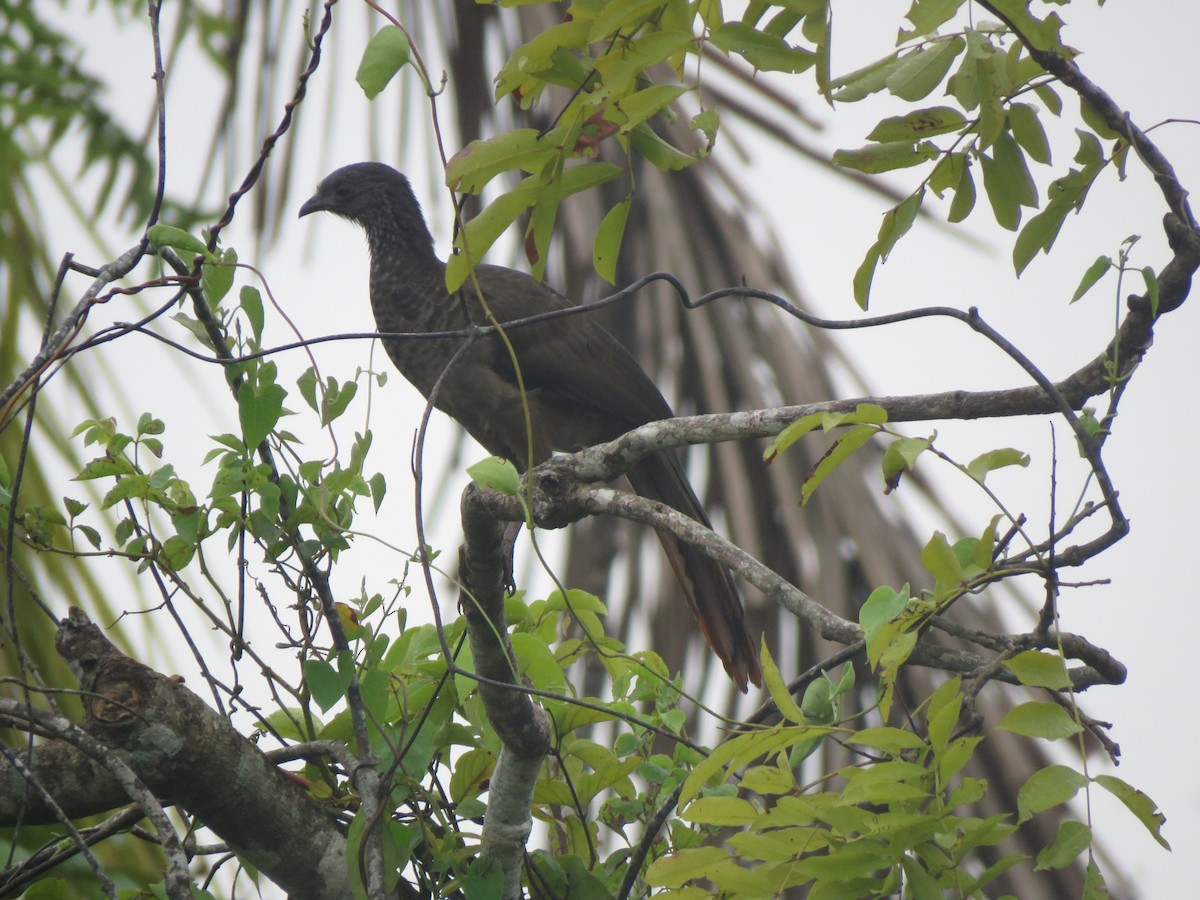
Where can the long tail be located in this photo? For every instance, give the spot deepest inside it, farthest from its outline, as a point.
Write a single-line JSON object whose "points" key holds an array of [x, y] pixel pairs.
{"points": [[707, 585]]}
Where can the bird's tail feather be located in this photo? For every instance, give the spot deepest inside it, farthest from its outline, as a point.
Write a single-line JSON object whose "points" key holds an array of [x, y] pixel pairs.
{"points": [[707, 585]]}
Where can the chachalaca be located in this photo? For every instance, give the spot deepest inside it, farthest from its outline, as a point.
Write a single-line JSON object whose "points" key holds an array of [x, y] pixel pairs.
{"points": [[582, 387]]}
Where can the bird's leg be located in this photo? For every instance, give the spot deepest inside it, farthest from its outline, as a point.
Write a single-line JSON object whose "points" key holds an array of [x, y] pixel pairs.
{"points": [[508, 546]]}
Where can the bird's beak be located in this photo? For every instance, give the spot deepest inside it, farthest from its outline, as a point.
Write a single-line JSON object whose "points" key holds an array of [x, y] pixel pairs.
{"points": [[311, 205]]}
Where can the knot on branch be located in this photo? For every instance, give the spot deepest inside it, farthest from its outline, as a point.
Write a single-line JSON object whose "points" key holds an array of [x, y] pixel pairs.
{"points": [[1175, 279], [553, 486], [120, 688]]}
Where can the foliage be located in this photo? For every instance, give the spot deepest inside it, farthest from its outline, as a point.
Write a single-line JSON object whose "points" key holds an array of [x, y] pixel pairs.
{"points": [[753, 819]]}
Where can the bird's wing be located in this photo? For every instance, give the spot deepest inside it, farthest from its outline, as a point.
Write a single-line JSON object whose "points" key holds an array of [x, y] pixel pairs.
{"points": [[572, 360]]}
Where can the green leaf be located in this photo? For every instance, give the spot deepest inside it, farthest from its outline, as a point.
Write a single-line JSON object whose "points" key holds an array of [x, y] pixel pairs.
{"points": [[865, 81], [605, 19], [623, 70], [587, 175], [260, 405], [307, 383], [496, 474], [175, 238], [1042, 34], [1094, 887], [918, 124], [673, 870], [74, 507], [327, 684], [885, 157], [216, 276], [536, 56], [50, 889], [480, 161], [883, 605], [940, 560], [945, 705], [607, 245], [918, 881], [481, 232], [740, 750], [1151, 281], [1039, 233], [660, 154], [1096, 122], [378, 486], [1012, 170], [105, 466], [1047, 788], [964, 196], [887, 739], [927, 15], [385, 54], [642, 105], [768, 780], [197, 328], [841, 450], [336, 399], [178, 552], [1028, 131], [708, 122], [980, 466], [818, 703], [1094, 273], [780, 694], [1037, 669], [727, 811], [923, 70], [900, 457], [997, 183], [864, 275], [471, 773], [537, 662], [251, 303], [1072, 839], [864, 414], [897, 222], [1039, 719], [90, 534], [792, 433], [763, 51], [947, 173], [148, 424], [1049, 98], [1138, 803]]}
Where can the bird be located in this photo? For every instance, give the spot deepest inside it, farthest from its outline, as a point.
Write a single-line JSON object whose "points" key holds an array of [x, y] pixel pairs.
{"points": [[581, 385]]}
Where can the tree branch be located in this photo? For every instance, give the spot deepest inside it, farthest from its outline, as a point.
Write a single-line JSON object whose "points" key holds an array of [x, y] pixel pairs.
{"points": [[523, 726], [177, 747]]}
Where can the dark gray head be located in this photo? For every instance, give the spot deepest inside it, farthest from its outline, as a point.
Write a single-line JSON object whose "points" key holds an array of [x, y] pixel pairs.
{"points": [[379, 199]]}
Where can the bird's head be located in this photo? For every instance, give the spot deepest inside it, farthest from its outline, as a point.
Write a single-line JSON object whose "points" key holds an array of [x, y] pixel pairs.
{"points": [[378, 198]]}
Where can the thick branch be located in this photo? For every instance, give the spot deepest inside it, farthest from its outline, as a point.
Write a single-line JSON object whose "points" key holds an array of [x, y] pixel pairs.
{"points": [[183, 750], [523, 726]]}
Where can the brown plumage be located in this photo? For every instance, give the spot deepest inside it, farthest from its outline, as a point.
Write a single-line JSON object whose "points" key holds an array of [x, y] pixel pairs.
{"points": [[582, 386]]}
